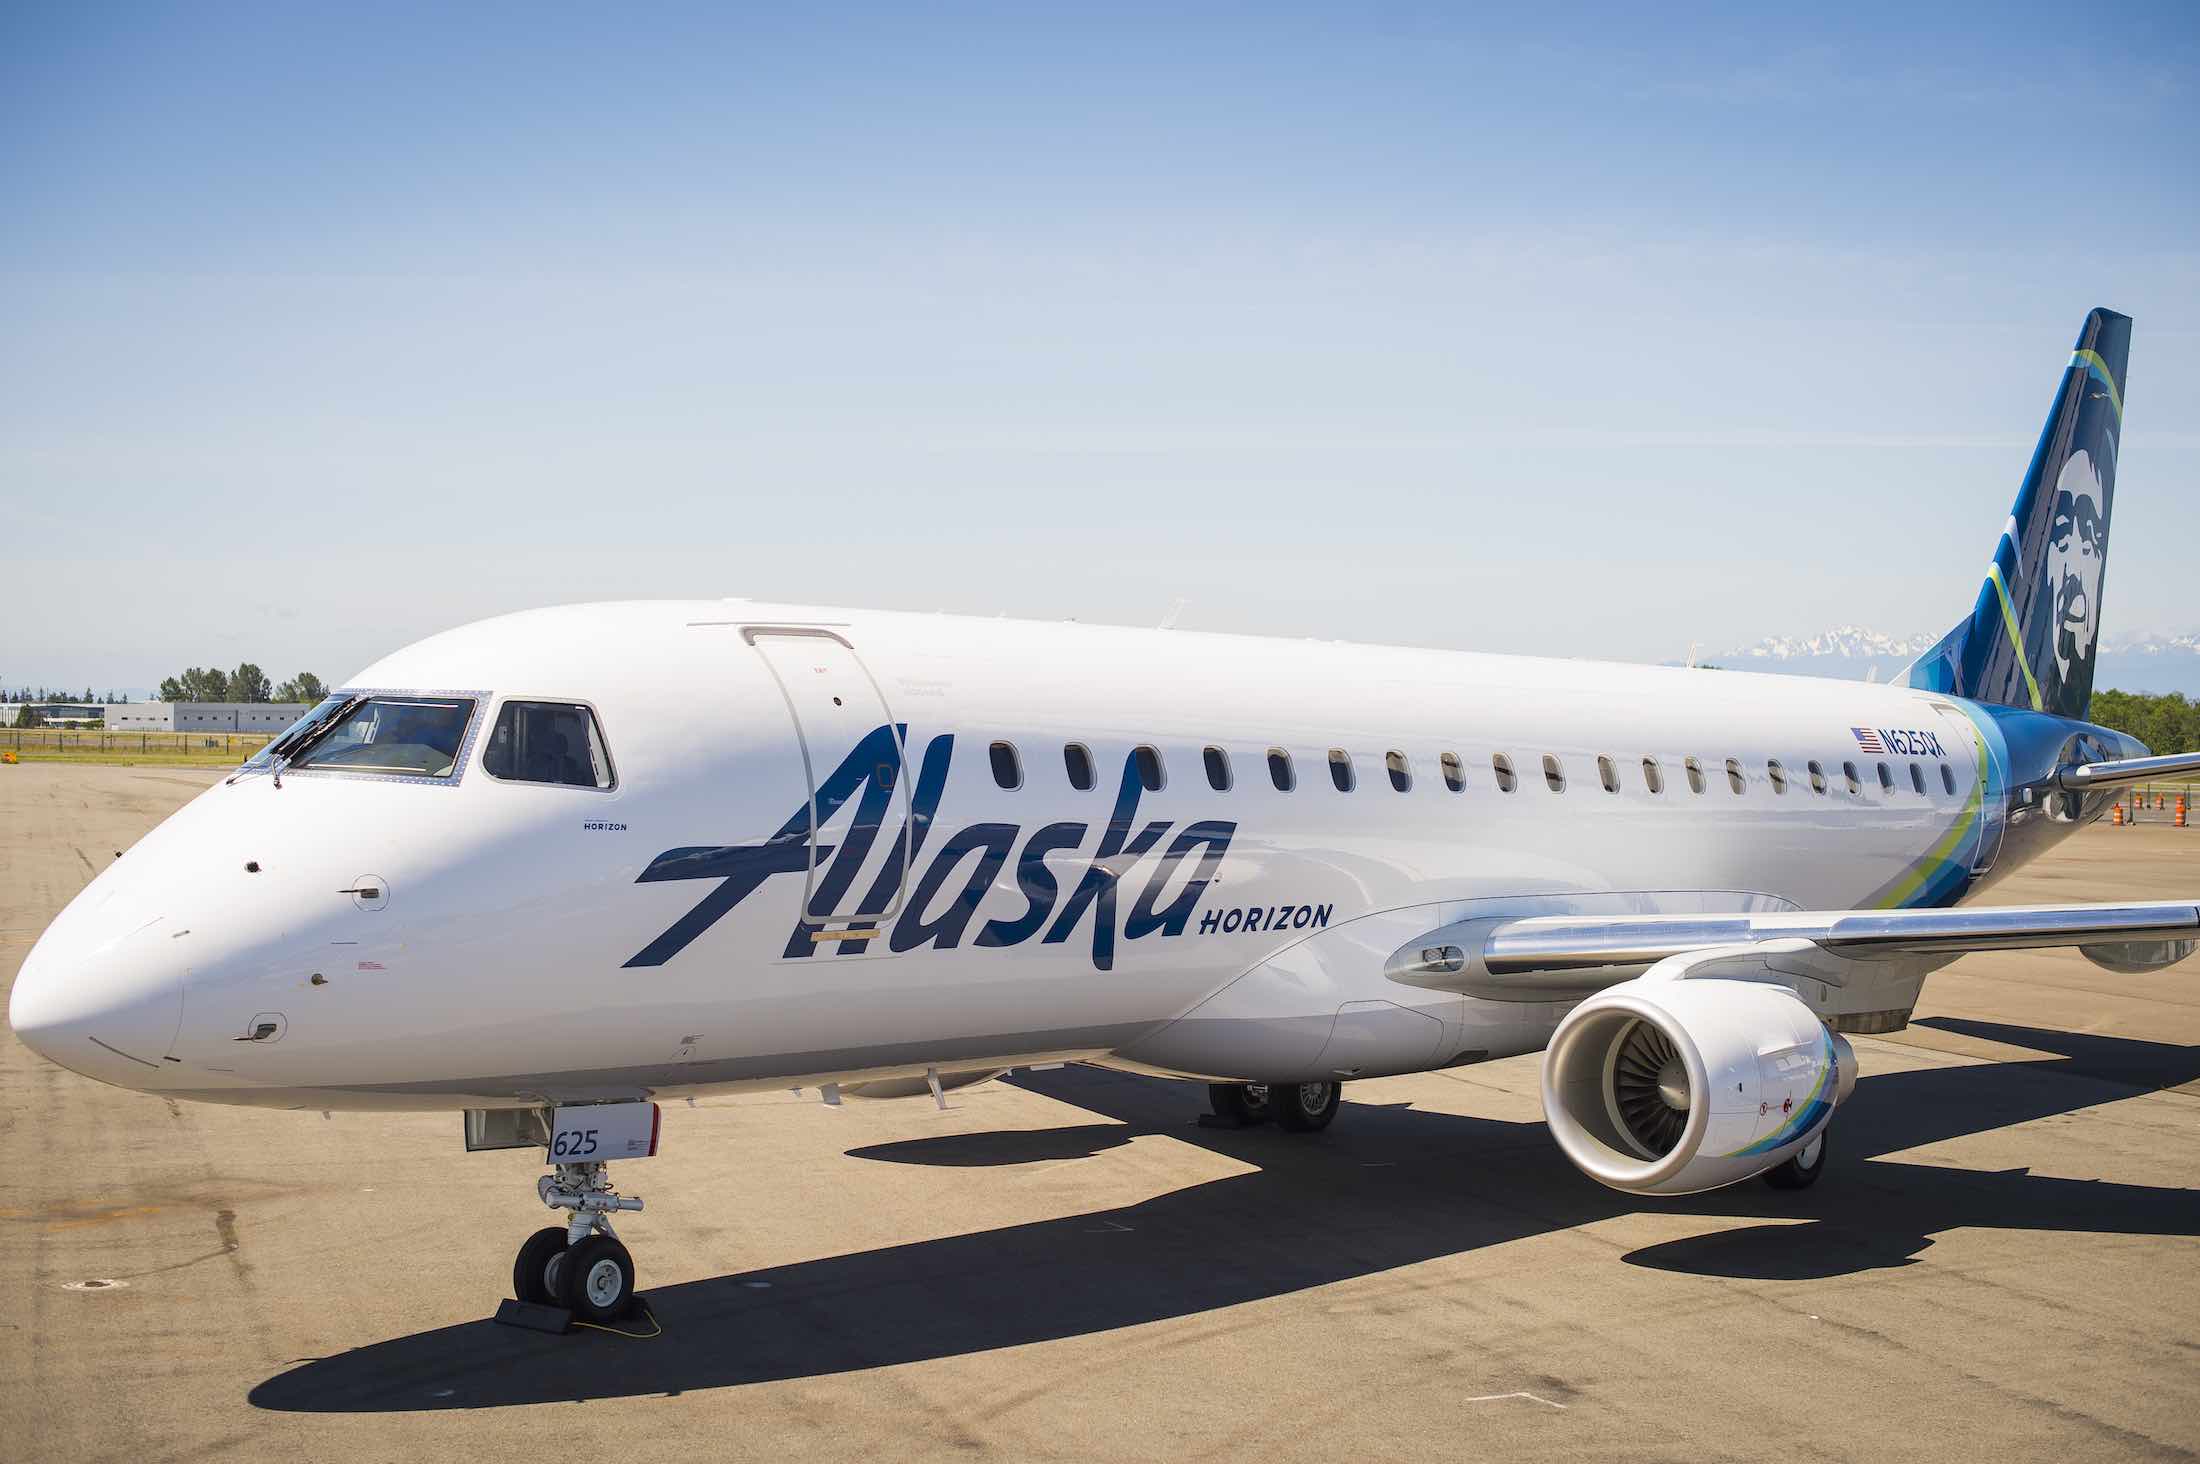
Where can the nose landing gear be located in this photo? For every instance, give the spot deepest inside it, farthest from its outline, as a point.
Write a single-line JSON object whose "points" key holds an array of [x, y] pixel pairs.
{"points": [[580, 1266]]}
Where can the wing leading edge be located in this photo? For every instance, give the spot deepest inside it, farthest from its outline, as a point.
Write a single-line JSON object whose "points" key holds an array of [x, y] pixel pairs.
{"points": [[2121, 772], [1554, 957]]}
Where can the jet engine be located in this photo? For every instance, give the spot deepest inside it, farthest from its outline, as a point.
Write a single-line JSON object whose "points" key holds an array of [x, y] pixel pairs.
{"points": [[1662, 1086]]}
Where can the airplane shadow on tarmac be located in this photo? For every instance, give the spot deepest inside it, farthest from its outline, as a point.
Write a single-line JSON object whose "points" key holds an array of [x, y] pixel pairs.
{"points": [[1385, 1188]]}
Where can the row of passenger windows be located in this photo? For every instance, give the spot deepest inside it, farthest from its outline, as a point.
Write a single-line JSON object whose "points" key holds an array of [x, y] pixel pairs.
{"points": [[1077, 762]]}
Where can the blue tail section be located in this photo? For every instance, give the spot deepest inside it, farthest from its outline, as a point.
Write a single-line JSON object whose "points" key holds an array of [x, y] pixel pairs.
{"points": [[2030, 640]]}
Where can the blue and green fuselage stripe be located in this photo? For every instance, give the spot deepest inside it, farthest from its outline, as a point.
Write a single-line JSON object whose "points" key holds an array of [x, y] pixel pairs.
{"points": [[1807, 1114], [1938, 877]]}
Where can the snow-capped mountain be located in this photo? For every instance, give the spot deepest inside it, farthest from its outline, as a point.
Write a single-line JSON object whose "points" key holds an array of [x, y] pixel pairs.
{"points": [[1848, 642], [2146, 661], [2151, 643]]}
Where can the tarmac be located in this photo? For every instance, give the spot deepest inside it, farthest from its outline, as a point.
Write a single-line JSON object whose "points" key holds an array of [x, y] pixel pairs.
{"points": [[2000, 1261]]}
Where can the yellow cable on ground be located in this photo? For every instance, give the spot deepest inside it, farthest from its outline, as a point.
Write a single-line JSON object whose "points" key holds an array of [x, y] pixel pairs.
{"points": [[656, 1327]]}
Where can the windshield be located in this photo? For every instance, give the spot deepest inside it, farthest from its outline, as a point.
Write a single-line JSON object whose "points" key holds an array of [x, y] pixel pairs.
{"points": [[411, 736], [297, 733]]}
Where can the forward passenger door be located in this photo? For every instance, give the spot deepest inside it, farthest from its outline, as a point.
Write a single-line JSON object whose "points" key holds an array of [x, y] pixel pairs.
{"points": [[853, 759]]}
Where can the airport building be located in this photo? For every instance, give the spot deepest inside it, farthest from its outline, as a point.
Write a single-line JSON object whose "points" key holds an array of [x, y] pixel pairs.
{"points": [[203, 716], [52, 714]]}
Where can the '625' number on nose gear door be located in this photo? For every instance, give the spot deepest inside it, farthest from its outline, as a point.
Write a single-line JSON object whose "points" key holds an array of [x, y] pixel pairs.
{"points": [[592, 1132]]}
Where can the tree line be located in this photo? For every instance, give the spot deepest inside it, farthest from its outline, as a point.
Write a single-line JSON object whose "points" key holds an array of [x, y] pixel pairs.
{"points": [[15, 695], [2167, 722], [248, 683]]}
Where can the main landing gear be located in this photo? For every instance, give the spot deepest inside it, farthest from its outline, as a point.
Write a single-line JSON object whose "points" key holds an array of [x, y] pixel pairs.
{"points": [[1300, 1108], [1802, 1168], [579, 1265]]}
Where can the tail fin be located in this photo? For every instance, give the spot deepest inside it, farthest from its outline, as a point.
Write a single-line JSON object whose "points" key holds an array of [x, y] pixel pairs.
{"points": [[2030, 640]]}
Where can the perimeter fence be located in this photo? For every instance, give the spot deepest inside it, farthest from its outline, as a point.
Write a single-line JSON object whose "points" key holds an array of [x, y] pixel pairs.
{"points": [[84, 742]]}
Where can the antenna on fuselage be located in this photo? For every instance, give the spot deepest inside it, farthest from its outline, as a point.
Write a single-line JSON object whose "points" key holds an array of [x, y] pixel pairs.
{"points": [[1176, 608]]}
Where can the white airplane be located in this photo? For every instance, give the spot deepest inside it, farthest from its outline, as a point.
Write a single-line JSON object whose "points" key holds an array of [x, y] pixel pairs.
{"points": [[507, 871]]}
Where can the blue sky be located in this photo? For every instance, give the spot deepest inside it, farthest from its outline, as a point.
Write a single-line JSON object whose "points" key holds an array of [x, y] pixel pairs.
{"points": [[1574, 331]]}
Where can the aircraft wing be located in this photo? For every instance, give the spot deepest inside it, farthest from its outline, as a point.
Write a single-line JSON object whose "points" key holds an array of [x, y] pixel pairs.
{"points": [[2121, 772], [1552, 957]]}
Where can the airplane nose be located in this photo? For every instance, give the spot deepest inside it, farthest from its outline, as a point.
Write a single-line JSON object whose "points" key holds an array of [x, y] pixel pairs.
{"points": [[108, 1010]]}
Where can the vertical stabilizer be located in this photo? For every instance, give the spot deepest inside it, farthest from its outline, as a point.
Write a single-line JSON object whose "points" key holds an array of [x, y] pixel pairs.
{"points": [[2030, 640]]}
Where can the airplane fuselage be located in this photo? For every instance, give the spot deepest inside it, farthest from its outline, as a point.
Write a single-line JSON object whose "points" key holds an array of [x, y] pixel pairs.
{"points": [[841, 846]]}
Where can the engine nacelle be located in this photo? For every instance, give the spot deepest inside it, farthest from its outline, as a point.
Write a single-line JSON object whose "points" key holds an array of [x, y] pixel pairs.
{"points": [[2137, 957], [1665, 1087]]}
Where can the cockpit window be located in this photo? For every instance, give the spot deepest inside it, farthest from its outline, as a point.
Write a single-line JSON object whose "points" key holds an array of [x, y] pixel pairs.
{"points": [[548, 742], [287, 742], [393, 734]]}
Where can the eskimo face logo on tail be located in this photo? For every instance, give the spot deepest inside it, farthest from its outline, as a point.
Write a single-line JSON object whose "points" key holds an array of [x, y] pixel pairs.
{"points": [[944, 898], [2077, 549]]}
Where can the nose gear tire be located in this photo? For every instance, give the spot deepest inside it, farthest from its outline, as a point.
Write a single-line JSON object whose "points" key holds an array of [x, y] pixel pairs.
{"points": [[534, 1274], [597, 1280]]}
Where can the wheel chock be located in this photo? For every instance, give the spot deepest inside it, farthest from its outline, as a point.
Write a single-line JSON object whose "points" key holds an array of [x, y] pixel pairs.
{"points": [[534, 1316]]}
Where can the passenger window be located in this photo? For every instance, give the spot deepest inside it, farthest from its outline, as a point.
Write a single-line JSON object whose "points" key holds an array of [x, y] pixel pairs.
{"points": [[1218, 769], [1149, 768], [1607, 775], [1695, 775], [1340, 769], [542, 742], [1886, 779], [1008, 771], [1856, 784], [1817, 778], [1917, 779], [1554, 774], [1653, 776], [1948, 779], [1455, 777], [1779, 776], [1077, 762], [1734, 775], [1503, 767], [1401, 775], [1279, 770]]}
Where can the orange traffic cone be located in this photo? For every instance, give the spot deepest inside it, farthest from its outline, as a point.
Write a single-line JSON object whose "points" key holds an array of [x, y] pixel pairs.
{"points": [[2119, 818], [2180, 810]]}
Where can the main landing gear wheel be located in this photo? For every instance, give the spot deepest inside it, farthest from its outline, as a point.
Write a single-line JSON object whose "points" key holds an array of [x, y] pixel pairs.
{"points": [[1304, 1108], [597, 1280], [1244, 1103], [535, 1274], [1802, 1168]]}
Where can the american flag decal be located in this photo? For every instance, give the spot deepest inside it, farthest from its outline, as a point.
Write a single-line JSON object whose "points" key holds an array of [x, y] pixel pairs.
{"points": [[1867, 739]]}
